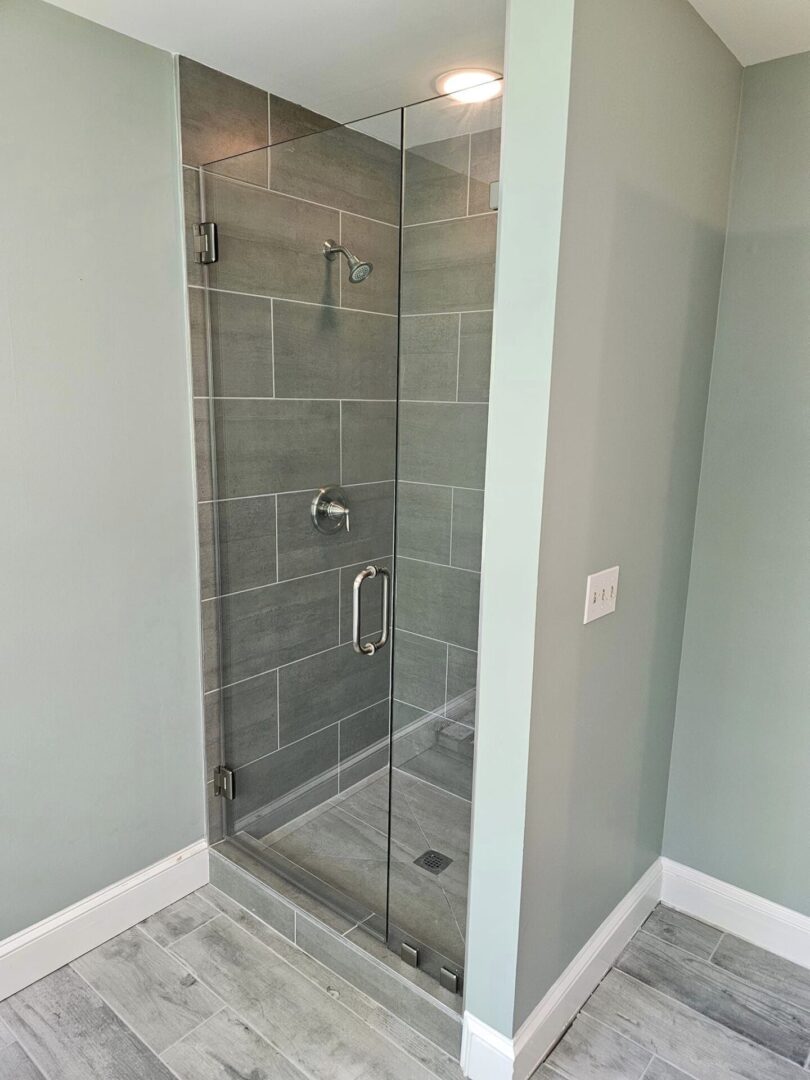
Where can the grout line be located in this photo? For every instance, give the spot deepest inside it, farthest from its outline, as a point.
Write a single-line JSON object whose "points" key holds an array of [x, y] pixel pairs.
{"points": [[429, 562], [458, 357], [421, 779], [425, 483], [304, 577], [711, 955], [126, 1023], [340, 441], [183, 1038], [208, 171], [439, 641], [316, 731], [430, 314], [376, 401], [445, 221], [696, 1012], [28, 1053], [312, 303], [184, 963], [311, 491]]}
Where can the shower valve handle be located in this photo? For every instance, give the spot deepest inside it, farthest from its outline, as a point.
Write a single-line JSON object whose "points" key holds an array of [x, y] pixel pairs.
{"points": [[337, 512], [330, 510]]}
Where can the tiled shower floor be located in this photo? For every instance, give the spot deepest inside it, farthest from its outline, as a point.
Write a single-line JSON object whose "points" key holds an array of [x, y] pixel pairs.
{"points": [[344, 843]]}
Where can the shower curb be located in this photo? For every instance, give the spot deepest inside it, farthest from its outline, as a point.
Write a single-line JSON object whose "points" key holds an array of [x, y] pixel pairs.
{"points": [[431, 1017]]}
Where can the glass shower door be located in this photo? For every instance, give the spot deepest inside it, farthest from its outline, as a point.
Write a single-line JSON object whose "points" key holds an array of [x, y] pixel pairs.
{"points": [[348, 320], [302, 325]]}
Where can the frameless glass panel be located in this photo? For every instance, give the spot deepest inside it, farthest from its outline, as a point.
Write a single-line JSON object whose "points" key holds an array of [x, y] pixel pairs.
{"points": [[348, 325], [301, 323], [447, 280]]}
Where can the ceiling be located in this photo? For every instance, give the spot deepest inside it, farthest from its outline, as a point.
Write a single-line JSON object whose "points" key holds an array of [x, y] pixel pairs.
{"points": [[344, 58], [352, 58], [757, 30]]}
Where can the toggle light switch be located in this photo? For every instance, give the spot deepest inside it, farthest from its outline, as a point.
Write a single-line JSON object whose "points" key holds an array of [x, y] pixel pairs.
{"points": [[600, 595]]}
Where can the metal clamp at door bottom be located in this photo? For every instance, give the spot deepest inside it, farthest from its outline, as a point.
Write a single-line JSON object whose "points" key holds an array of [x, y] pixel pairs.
{"points": [[369, 648]]}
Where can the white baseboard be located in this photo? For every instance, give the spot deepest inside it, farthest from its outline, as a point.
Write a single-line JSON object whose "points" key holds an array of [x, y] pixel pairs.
{"points": [[33, 953], [485, 1053], [762, 922], [488, 1055]]}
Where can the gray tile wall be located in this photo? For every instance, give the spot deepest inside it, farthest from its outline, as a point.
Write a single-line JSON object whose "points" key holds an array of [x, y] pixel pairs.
{"points": [[294, 375], [448, 257]]}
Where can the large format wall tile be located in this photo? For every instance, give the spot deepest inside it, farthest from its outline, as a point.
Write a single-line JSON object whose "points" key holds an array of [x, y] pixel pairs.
{"points": [[443, 443], [270, 778], [436, 180], [198, 341], [291, 121], [248, 712], [368, 437], [462, 679], [302, 549], [281, 445], [247, 544], [420, 671], [241, 345], [323, 689], [326, 352], [220, 117], [438, 601], [429, 357], [364, 745], [475, 355], [449, 266], [270, 244], [341, 168], [265, 628], [485, 164], [424, 521], [378, 244], [468, 520]]}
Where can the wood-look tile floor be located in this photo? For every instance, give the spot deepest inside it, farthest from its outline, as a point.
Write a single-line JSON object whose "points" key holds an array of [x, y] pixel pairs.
{"points": [[205, 991], [687, 1002]]}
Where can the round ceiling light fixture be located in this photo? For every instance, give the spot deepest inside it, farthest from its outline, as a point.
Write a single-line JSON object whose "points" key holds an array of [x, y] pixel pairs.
{"points": [[470, 84]]}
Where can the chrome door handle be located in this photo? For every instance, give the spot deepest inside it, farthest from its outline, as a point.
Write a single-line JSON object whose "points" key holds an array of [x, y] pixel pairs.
{"points": [[369, 648]]}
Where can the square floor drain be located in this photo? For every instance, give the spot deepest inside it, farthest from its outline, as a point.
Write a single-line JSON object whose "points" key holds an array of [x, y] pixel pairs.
{"points": [[433, 861]]}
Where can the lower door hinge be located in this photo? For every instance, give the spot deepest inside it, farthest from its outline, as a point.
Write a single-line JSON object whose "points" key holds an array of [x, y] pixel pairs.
{"points": [[223, 782], [205, 242]]}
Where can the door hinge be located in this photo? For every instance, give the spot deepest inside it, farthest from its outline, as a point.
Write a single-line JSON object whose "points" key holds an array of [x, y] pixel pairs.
{"points": [[223, 782], [206, 249]]}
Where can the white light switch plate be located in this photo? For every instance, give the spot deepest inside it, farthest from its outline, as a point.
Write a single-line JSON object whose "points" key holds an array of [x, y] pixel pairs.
{"points": [[601, 593]]}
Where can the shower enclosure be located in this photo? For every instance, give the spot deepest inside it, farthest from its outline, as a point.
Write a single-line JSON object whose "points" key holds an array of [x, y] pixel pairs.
{"points": [[347, 310]]}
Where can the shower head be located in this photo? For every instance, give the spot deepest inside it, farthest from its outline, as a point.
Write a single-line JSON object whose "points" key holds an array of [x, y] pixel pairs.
{"points": [[358, 270]]}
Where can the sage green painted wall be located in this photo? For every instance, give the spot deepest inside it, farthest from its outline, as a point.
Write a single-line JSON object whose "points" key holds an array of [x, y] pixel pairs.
{"points": [[739, 800], [100, 699], [532, 170], [654, 106]]}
